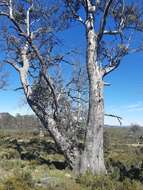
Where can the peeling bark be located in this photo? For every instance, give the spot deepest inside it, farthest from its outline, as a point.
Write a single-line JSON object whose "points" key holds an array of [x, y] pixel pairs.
{"points": [[93, 158], [69, 149]]}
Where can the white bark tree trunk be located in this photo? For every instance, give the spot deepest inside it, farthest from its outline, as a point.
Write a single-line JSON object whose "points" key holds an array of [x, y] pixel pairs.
{"points": [[70, 150], [93, 157]]}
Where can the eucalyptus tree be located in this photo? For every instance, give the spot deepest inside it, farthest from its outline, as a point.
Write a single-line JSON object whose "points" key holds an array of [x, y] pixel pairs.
{"points": [[29, 31], [110, 27]]}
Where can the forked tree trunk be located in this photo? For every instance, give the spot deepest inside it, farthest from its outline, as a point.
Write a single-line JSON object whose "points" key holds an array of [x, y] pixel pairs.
{"points": [[69, 149], [93, 157]]}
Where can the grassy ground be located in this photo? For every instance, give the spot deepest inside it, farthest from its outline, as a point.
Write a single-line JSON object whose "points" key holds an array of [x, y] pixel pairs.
{"points": [[30, 163]]}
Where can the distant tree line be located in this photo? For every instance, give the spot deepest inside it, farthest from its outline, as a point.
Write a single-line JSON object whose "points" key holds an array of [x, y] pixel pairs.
{"points": [[7, 121]]}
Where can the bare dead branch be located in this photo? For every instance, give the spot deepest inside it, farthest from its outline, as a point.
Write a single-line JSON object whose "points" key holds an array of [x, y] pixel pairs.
{"points": [[112, 32], [3, 78], [90, 7], [21, 32], [104, 19], [77, 99], [115, 61], [111, 67], [10, 9], [48, 80], [24, 71], [28, 20], [115, 116], [19, 88], [13, 64], [107, 84], [75, 15]]}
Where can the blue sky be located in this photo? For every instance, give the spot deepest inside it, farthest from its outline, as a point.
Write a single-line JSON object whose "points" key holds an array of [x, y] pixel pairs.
{"points": [[124, 97]]}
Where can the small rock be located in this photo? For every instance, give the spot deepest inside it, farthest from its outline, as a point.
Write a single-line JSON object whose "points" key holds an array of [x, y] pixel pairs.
{"points": [[68, 175]]}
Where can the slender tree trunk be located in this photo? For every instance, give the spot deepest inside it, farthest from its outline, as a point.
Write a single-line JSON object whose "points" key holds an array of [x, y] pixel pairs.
{"points": [[93, 158], [69, 149]]}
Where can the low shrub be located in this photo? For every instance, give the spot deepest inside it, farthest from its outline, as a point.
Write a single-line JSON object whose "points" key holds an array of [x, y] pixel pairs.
{"points": [[18, 181], [91, 182], [9, 153], [128, 185]]}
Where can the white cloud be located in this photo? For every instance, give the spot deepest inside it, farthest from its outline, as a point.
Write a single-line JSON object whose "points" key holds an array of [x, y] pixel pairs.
{"points": [[135, 107], [131, 113]]}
